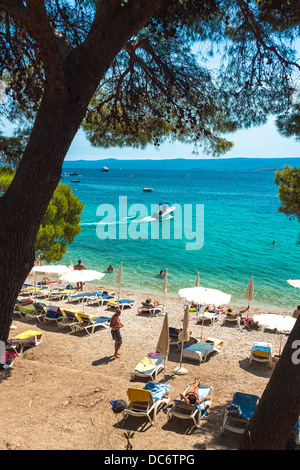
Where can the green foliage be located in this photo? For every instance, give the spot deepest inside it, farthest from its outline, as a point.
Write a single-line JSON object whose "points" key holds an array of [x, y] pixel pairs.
{"points": [[288, 124], [61, 221], [157, 87], [60, 224], [288, 181]]}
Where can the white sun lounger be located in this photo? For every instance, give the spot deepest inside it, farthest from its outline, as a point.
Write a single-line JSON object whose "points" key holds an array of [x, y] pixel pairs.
{"points": [[183, 410], [145, 401]]}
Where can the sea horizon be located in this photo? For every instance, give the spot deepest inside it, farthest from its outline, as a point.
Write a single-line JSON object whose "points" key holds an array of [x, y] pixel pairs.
{"points": [[241, 222]]}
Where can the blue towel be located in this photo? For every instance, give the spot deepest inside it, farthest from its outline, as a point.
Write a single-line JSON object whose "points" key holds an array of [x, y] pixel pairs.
{"points": [[158, 391], [201, 346]]}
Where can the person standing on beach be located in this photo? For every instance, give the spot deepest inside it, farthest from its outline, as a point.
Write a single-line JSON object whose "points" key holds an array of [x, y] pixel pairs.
{"points": [[79, 267], [115, 325]]}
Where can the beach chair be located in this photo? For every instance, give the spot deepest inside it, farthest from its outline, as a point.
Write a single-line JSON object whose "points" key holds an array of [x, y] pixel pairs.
{"points": [[233, 317], [183, 410], [238, 414], [53, 314], [261, 352], [174, 336], [143, 402], [60, 294], [199, 351], [148, 308], [121, 303], [70, 318], [212, 317], [78, 297], [149, 366], [89, 323], [24, 341], [32, 311], [100, 299]]}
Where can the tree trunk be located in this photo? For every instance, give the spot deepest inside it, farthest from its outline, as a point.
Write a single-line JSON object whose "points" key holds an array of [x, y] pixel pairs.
{"points": [[279, 408], [25, 202]]}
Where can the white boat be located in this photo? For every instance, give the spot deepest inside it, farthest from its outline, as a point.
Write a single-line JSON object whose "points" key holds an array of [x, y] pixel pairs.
{"points": [[163, 211], [148, 190], [104, 168]]}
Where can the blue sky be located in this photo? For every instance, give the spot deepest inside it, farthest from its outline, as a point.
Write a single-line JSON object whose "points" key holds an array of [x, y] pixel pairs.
{"points": [[256, 142]]}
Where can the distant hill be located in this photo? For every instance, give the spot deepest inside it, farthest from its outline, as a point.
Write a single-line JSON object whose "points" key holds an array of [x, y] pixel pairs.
{"points": [[224, 164]]}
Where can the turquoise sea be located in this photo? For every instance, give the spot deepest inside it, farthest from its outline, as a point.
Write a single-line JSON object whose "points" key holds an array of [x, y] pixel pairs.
{"points": [[241, 221]]}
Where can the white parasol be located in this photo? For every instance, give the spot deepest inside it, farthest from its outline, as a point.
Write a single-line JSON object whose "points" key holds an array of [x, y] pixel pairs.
{"points": [[278, 323], [85, 275], [49, 269], [204, 296]]}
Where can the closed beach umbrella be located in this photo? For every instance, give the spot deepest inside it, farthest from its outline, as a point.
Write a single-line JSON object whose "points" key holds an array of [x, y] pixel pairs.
{"points": [[85, 275], [197, 283], [249, 295], [165, 281], [183, 336], [163, 342], [119, 278]]}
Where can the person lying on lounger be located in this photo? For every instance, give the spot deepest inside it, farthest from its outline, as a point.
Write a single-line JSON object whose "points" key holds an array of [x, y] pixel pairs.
{"points": [[191, 395]]}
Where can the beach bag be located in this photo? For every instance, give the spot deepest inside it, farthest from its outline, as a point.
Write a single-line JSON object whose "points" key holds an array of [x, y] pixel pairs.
{"points": [[234, 410], [118, 406]]}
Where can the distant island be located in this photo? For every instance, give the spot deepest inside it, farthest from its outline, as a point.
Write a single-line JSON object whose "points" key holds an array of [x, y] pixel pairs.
{"points": [[226, 164]]}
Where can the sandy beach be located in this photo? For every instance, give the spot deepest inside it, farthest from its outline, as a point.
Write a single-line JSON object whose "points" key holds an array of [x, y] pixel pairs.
{"points": [[57, 395]]}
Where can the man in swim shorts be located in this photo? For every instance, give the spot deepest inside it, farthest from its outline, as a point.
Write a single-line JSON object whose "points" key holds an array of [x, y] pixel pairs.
{"points": [[115, 325]]}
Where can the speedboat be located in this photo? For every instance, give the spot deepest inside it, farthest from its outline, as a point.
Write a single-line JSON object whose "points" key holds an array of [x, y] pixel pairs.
{"points": [[163, 211], [148, 190], [104, 168]]}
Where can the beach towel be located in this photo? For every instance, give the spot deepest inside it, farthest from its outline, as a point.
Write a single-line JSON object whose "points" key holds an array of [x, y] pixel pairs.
{"points": [[146, 364], [262, 349], [158, 391]]}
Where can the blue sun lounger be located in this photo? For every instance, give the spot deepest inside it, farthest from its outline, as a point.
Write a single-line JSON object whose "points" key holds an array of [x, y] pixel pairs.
{"points": [[198, 351], [238, 414]]}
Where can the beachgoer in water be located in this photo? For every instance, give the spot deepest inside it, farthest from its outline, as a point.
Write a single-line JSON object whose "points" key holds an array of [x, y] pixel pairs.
{"points": [[161, 273], [79, 267], [115, 325], [110, 269]]}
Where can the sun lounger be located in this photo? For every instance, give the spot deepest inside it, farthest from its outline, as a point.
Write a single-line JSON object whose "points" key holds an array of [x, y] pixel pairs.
{"points": [[238, 414], [183, 410], [100, 299], [24, 341], [174, 336], [53, 314], [261, 352], [232, 317], [78, 297], [148, 308], [200, 350], [60, 294], [89, 323], [149, 366], [121, 303], [145, 401], [70, 318], [212, 317], [32, 311]]}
